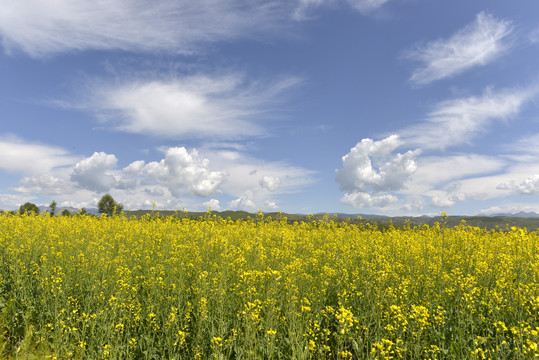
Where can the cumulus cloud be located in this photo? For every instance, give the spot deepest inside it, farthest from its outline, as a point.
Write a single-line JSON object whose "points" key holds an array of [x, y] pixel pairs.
{"points": [[458, 121], [270, 183], [181, 170], [530, 186], [244, 202], [93, 173], [371, 166], [177, 180], [192, 106], [213, 204], [30, 158], [475, 45], [359, 199], [41, 28], [272, 205], [444, 200], [414, 204]]}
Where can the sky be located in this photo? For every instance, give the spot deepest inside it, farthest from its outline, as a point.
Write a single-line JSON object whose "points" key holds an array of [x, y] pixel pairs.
{"points": [[394, 107]]}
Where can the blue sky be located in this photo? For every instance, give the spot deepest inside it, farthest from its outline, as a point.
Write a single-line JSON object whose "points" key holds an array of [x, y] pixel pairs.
{"points": [[397, 107]]}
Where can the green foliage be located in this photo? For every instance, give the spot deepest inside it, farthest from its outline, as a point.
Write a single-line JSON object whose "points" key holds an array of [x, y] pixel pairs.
{"points": [[66, 212], [28, 208], [53, 208], [107, 205]]}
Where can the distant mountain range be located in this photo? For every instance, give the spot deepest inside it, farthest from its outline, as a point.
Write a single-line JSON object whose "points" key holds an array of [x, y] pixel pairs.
{"points": [[520, 214]]}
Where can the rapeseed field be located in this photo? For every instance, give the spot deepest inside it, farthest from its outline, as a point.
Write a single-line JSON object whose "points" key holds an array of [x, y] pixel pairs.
{"points": [[86, 287]]}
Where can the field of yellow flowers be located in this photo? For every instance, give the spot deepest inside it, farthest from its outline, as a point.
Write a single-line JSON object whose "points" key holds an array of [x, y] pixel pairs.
{"points": [[87, 287]]}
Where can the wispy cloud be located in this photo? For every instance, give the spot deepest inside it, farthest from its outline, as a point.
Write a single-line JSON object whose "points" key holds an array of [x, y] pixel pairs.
{"points": [[366, 6], [458, 121], [433, 171], [45, 27], [31, 158], [305, 7], [528, 144], [193, 106], [477, 44], [534, 35]]}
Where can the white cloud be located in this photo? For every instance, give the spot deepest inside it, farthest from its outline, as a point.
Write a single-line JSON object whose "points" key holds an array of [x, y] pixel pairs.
{"points": [[134, 168], [272, 205], [435, 170], [45, 27], [359, 199], [31, 158], [13, 201], [270, 183], [94, 174], [530, 186], [305, 7], [371, 166], [181, 169], [366, 6], [534, 36], [415, 204], [528, 144], [176, 181], [244, 202], [213, 204], [192, 106], [442, 201], [475, 45], [45, 185], [245, 172], [458, 121], [446, 199]]}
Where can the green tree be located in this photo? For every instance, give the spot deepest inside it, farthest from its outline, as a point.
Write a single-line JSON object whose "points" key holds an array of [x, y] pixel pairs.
{"points": [[66, 212], [53, 208], [107, 205], [28, 208]]}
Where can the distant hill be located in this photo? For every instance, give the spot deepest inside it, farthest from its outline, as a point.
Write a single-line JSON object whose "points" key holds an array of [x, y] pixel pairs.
{"points": [[483, 222], [528, 220]]}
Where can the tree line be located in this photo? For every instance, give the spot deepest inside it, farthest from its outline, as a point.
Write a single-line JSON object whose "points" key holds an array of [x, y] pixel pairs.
{"points": [[106, 205]]}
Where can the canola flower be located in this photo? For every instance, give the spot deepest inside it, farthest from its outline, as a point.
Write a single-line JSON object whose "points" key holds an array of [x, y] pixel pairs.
{"points": [[88, 287]]}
